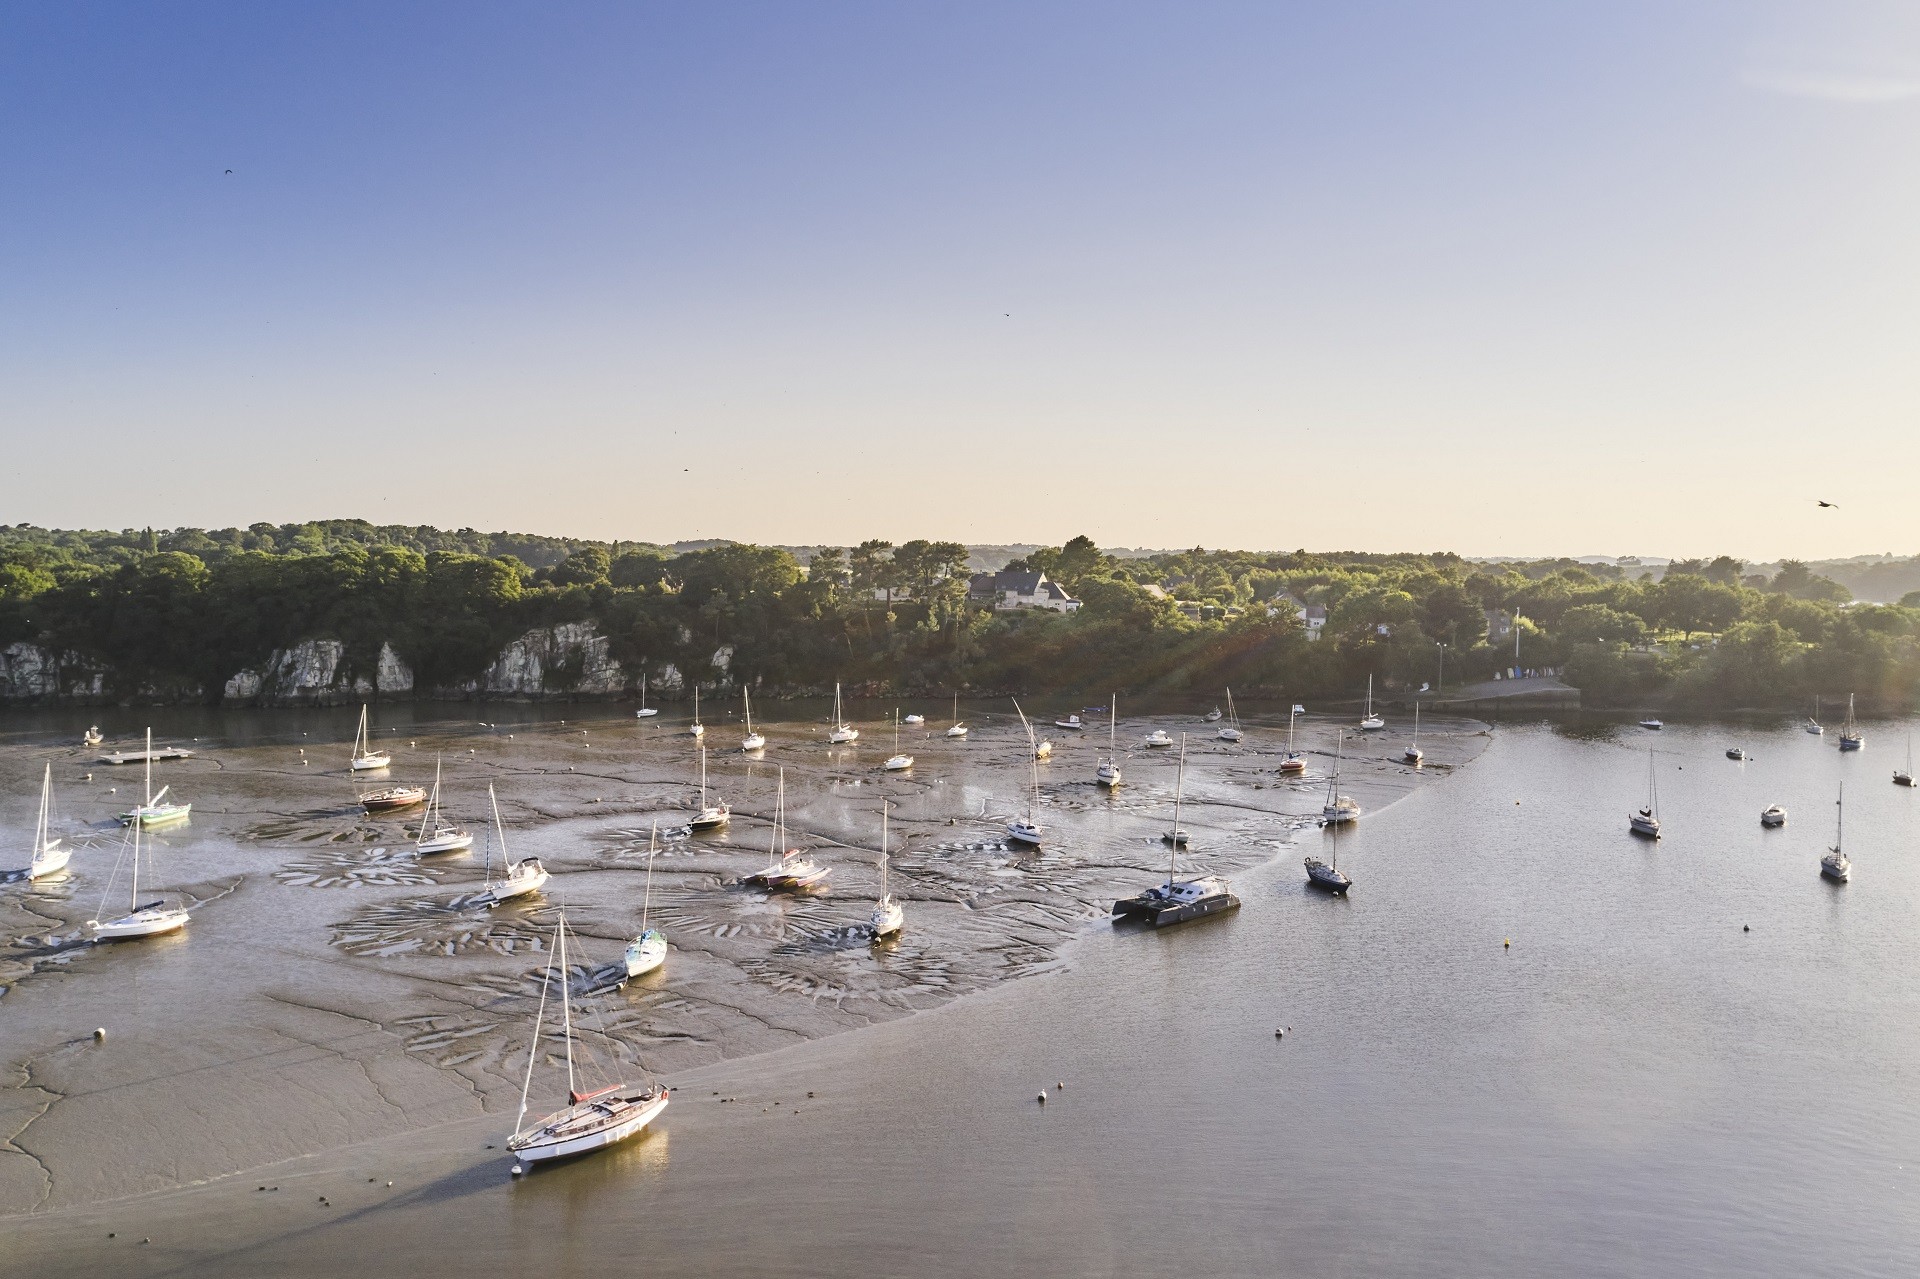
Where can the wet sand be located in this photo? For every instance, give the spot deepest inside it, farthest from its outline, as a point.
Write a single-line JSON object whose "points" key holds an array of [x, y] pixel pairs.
{"points": [[333, 989]]}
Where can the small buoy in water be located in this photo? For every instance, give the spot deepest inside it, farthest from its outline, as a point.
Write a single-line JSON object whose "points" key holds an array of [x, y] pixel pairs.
{"points": [[1745, 929], [1060, 1087], [100, 1035], [469, 750], [89, 776], [517, 1170], [1516, 803], [1507, 944], [1043, 1096], [389, 1185], [509, 736], [113, 790]]}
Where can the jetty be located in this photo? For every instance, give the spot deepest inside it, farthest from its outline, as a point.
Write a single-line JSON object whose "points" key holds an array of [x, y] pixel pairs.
{"points": [[157, 754]]}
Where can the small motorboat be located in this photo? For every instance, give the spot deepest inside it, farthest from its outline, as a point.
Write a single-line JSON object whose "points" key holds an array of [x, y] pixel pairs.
{"points": [[1042, 749], [1213, 716], [393, 798], [1072, 723], [1177, 901], [1734, 752], [1292, 766], [1773, 815], [914, 719], [1178, 836], [1158, 737], [1651, 723], [92, 736]]}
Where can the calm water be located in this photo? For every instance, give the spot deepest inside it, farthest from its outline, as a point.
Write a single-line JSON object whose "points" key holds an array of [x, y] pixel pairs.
{"points": [[1636, 1086]]}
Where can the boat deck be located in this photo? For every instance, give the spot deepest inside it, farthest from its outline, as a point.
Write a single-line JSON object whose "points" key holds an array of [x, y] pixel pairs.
{"points": [[141, 757]]}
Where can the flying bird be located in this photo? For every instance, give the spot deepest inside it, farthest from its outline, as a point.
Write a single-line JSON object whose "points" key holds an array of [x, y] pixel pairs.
{"points": [[1834, 505], [229, 170]]}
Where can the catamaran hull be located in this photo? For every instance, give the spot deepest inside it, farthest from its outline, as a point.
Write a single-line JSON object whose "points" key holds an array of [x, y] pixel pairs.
{"points": [[539, 1150], [144, 925], [1163, 916], [1644, 828], [1852, 743]]}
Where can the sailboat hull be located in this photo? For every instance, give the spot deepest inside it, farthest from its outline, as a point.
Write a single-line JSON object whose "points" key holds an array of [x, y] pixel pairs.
{"points": [[589, 1126], [1292, 767], [1852, 743], [51, 861], [646, 953], [1107, 776], [519, 884], [362, 763], [453, 842], [1645, 827], [142, 923]]}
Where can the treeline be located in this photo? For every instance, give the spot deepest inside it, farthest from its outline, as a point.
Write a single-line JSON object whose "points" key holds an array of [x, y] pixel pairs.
{"points": [[184, 610]]}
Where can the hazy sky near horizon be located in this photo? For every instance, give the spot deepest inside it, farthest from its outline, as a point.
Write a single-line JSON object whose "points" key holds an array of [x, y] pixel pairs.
{"points": [[1629, 276]]}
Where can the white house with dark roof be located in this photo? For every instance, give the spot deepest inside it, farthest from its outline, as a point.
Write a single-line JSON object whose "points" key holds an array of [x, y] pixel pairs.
{"points": [[1020, 588], [1313, 617]]}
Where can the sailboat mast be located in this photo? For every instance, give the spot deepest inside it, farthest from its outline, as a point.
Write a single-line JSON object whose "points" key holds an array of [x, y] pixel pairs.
{"points": [[1113, 717], [566, 1004], [500, 829], [883, 849], [46, 793], [703, 772], [149, 800], [779, 816], [1840, 819], [747, 697], [1179, 792], [646, 902], [540, 1012]]}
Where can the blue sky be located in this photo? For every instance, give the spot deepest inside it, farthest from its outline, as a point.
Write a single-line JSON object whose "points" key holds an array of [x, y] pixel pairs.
{"points": [[1493, 277]]}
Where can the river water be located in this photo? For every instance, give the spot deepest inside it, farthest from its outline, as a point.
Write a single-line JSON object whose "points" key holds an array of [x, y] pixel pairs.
{"points": [[1693, 1057]]}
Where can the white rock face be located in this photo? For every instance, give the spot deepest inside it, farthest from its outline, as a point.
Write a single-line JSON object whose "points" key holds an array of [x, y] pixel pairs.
{"points": [[723, 661], [306, 672], [395, 676], [574, 654], [669, 677], [27, 670]]}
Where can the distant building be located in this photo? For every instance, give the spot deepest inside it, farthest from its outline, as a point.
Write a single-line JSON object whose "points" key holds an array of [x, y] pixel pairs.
{"points": [[1020, 588], [1499, 624], [1313, 617]]}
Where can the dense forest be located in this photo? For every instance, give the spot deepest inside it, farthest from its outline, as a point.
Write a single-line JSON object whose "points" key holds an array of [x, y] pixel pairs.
{"points": [[179, 611]]}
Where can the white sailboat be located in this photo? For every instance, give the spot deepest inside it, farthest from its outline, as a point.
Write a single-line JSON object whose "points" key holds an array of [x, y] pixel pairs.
{"points": [[1850, 737], [843, 732], [696, 728], [645, 711], [959, 726], [437, 834], [1338, 808], [364, 756], [1835, 865], [888, 916], [1293, 764], [899, 762], [1212, 716], [520, 877], [752, 741], [1413, 754], [149, 920], [648, 951], [1108, 772], [1647, 820], [914, 719], [1369, 722], [1813, 724], [1028, 831], [710, 816], [591, 1120], [1178, 835], [1230, 731], [50, 855], [154, 811], [1904, 776], [792, 870]]}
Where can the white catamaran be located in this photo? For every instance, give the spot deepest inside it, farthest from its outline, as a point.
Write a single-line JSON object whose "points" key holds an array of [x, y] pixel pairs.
{"points": [[155, 812], [520, 878], [437, 834], [50, 855], [364, 756], [592, 1120], [842, 732], [888, 918], [1176, 901], [148, 920]]}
